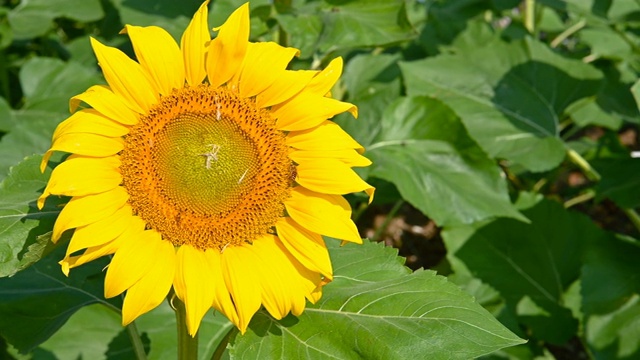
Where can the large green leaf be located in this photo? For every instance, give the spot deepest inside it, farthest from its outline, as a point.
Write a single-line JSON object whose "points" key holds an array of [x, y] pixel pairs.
{"points": [[376, 309], [372, 82], [95, 332], [37, 301], [620, 181], [24, 230], [614, 335], [30, 135], [173, 16], [48, 83], [349, 24], [610, 291], [86, 334], [532, 265], [447, 176], [608, 274], [6, 119], [509, 96], [32, 18]]}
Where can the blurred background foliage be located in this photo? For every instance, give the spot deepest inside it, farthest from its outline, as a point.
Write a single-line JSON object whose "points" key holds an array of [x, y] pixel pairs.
{"points": [[504, 141]]}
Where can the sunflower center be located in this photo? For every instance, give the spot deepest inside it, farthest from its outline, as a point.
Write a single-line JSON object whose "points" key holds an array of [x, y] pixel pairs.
{"points": [[205, 164], [207, 168]]}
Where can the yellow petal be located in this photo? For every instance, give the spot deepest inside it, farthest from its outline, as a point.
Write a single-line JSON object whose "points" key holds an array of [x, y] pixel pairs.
{"points": [[194, 45], [274, 273], [306, 111], [87, 144], [90, 254], [193, 285], [308, 282], [253, 79], [80, 176], [227, 50], [101, 231], [324, 81], [159, 56], [90, 121], [324, 214], [241, 282], [306, 246], [132, 260], [331, 176], [222, 299], [326, 136], [347, 156], [151, 290], [84, 210], [103, 100], [288, 84], [125, 77], [87, 121]]}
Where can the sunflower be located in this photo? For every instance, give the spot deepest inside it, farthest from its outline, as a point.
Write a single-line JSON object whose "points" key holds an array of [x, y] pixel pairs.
{"points": [[207, 167]]}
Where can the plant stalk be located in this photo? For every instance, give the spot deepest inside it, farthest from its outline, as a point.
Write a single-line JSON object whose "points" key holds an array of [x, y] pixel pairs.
{"points": [[634, 217], [217, 355], [379, 231], [187, 345], [583, 164], [530, 15], [136, 341], [568, 32]]}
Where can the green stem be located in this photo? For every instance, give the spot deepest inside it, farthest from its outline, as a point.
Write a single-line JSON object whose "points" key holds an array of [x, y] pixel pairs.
{"points": [[634, 217], [530, 15], [578, 160], [579, 199], [136, 341], [187, 344], [217, 355], [387, 220], [570, 31]]}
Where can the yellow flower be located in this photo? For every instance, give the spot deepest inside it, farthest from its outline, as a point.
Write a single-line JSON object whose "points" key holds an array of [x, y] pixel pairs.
{"points": [[208, 167]]}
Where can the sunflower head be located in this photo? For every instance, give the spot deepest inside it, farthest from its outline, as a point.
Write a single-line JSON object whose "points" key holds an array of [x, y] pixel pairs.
{"points": [[208, 167]]}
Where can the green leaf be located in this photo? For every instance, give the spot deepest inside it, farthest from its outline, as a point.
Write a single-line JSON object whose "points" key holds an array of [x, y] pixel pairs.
{"points": [[33, 18], [615, 97], [6, 119], [532, 265], [606, 43], [376, 309], [173, 16], [509, 96], [120, 347], [350, 24], [31, 135], [49, 83], [425, 136], [37, 301], [586, 112], [609, 274], [86, 335], [610, 301], [635, 91], [620, 181], [25, 236], [304, 29], [615, 335], [372, 82]]}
